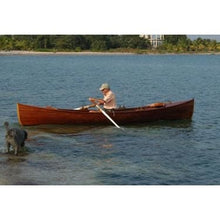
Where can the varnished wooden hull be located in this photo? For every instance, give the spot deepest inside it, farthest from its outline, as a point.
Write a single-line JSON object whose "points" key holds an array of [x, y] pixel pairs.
{"points": [[33, 115]]}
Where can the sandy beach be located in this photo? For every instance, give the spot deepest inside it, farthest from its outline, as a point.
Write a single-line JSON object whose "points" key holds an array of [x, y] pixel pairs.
{"points": [[22, 52]]}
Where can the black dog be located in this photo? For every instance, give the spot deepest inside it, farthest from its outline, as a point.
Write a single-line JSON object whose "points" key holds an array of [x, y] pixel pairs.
{"points": [[14, 137]]}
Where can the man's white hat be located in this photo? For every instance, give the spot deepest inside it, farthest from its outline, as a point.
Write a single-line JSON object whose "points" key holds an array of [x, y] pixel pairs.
{"points": [[104, 86]]}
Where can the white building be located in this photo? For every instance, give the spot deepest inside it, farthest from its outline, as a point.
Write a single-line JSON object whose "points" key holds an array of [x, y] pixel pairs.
{"points": [[155, 40]]}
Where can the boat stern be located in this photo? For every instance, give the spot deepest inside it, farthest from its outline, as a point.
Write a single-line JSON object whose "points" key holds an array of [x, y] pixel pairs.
{"points": [[18, 114]]}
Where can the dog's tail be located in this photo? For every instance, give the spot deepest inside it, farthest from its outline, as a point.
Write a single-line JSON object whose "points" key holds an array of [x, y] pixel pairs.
{"points": [[6, 124]]}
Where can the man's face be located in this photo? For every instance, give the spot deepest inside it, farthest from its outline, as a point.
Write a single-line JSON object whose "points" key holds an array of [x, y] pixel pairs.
{"points": [[104, 91]]}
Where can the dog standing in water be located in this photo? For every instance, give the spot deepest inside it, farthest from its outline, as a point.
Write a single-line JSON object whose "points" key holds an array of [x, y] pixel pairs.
{"points": [[14, 137]]}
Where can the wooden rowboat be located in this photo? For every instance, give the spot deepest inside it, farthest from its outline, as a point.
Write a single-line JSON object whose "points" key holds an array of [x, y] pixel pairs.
{"points": [[33, 115]]}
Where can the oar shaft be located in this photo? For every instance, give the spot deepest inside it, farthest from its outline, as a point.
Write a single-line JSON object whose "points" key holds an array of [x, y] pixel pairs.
{"points": [[104, 113], [85, 107]]}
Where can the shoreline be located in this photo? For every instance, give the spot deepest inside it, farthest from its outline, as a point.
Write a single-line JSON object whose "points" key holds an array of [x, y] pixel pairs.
{"points": [[22, 52]]}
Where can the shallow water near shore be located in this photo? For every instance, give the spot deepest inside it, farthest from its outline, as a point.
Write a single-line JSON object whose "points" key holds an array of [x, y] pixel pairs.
{"points": [[182, 152]]}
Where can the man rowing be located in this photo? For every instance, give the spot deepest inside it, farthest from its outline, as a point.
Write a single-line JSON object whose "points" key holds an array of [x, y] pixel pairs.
{"points": [[108, 101]]}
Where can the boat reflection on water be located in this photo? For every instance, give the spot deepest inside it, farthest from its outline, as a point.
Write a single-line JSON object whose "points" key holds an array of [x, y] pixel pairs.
{"points": [[57, 129], [81, 129]]}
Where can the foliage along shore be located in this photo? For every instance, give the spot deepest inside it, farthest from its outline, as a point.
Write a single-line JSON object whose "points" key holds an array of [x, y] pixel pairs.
{"points": [[103, 44]]}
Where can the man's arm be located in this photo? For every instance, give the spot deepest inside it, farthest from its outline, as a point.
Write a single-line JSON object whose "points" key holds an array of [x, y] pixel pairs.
{"points": [[97, 101]]}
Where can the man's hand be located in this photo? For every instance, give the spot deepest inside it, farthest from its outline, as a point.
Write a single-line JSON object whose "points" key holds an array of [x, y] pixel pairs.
{"points": [[92, 100]]}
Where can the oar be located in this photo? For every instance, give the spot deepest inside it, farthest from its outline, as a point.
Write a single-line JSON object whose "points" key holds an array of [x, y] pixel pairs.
{"points": [[84, 107], [107, 116]]}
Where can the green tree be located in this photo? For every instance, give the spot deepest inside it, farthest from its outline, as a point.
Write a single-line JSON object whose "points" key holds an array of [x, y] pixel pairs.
{"points": [[98, 45], [212, 45], [133, 41], [42, 42], [183, 45], [6, 43], [174, 39]]}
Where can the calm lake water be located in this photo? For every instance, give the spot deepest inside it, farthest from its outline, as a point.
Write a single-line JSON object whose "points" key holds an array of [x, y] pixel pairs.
{"points": [[176, 153]]}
